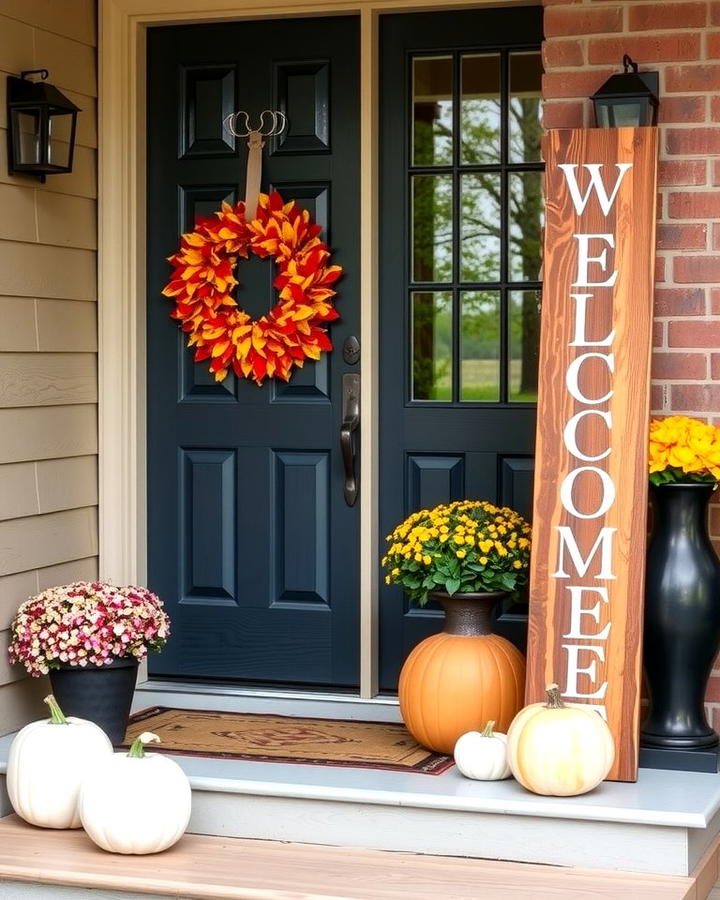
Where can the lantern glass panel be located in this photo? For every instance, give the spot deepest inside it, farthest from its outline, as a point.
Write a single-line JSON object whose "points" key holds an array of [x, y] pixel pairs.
{"points": [[629, 113], [59, 143], [26, 136]]}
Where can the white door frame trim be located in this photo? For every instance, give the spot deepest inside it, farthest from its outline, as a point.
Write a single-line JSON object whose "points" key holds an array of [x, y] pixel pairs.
{"points": [[121, 274]]}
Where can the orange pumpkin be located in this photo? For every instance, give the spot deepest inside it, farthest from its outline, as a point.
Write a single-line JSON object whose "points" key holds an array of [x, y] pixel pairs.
{"points": [[451, 684]]}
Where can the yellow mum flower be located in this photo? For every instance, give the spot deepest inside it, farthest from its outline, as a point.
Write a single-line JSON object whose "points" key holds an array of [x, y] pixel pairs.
{"points": [[445, 535], [680, 445]]}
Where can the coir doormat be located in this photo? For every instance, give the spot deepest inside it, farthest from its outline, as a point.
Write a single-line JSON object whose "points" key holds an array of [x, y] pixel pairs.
{"points": [[287, 739]]}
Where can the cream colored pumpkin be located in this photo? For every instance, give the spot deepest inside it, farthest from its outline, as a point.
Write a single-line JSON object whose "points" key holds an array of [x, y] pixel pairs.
{"points": [[558, 750], [135, 803], [47, 763], [482, 755]]}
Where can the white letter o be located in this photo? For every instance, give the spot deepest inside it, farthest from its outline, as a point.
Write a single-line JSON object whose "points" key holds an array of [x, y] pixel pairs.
{"points": [[608, 493]]}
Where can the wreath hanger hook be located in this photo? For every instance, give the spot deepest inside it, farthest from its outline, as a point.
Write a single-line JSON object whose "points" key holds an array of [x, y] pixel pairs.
{"points": [[276, 125]]}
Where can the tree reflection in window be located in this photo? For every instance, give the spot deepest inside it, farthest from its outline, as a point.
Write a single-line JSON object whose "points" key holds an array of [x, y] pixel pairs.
{"points": [[477, 215]]}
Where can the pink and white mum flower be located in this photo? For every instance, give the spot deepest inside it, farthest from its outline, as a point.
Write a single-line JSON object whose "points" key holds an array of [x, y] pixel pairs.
{"points": [[87, 623]]}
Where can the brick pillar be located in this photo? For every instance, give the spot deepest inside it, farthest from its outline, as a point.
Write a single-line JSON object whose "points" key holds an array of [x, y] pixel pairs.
{"points": [[584, 44]]}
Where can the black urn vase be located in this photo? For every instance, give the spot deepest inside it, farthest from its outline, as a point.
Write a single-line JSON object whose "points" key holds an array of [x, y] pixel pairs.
{"points": [[682, 619], [101, 694]]}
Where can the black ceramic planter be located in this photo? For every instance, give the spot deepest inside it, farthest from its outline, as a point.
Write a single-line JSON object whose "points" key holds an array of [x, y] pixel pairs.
{"points": [[682, 619], [102, 694]]}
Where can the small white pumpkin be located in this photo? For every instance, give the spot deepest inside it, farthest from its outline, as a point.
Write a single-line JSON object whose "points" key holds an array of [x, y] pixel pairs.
{"points": [[482, 755], [558, 750], [47, 762], [134, 803]]}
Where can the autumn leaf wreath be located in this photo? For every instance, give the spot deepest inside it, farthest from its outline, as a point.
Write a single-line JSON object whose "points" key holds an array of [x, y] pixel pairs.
{"points": [[203, 282]]}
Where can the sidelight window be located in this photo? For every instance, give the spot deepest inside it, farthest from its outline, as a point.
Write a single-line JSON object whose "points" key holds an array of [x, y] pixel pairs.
{"points": [[476, 215]]}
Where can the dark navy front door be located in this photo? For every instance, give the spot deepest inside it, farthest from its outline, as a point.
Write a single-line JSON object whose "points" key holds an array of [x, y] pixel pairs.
{"points": [[250, 540]]}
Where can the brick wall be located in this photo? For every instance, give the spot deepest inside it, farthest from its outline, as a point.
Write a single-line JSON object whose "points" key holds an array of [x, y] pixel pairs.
{"points": [[584, 45]]}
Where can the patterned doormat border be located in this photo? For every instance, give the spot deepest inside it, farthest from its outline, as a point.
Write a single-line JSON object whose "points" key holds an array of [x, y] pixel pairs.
{"points": [[287, 739]]}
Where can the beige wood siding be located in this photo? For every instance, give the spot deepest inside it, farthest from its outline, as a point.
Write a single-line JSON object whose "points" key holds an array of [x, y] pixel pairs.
{"points": [[48, 339]]}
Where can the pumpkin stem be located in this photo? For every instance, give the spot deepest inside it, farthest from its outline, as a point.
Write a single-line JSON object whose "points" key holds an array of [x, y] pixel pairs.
{"points": [[137, 750], [57, 716], [554, 698], [488, 730]]}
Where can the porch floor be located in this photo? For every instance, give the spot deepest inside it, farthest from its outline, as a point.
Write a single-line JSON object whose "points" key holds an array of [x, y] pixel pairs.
{"points": [[206, 868], [664, 825]]}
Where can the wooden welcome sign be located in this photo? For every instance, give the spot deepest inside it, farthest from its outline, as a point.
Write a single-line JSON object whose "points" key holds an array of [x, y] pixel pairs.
{"points": [[589, 531]]}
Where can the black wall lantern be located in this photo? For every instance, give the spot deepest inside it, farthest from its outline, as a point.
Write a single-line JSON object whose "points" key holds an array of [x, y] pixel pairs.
{"points": [[629, 99], [41, 127]]}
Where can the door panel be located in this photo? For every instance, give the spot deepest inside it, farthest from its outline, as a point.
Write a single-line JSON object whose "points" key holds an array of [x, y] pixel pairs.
{"points": [[251, 543], [459, 252]]}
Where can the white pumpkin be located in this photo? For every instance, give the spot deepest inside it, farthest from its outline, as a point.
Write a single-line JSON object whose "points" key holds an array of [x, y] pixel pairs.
{"points": [[558, 750], [135, 803], [482, 755], [47, 762]]}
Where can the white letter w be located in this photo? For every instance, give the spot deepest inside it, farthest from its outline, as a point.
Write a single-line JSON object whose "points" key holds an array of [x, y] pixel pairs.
{"points": [[596, 184]]}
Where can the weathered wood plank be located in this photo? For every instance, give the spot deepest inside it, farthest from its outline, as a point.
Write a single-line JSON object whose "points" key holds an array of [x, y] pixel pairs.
{"points": [[47, 540], [37, 270], [67, 483], [21, 702], [47, 432], [588, 560], [47, 379], [16, 588], [210, 867], [8, 673]]}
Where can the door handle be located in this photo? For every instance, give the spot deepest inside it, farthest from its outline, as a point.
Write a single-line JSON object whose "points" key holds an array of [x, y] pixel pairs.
{"points": [[350, 423]]}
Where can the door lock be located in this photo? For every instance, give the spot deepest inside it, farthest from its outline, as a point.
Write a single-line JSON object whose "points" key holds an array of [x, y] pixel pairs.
{"points": [[351, 350]]}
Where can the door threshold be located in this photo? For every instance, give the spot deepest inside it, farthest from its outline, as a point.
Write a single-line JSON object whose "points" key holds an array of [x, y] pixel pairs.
{"points": [[281, 701]]}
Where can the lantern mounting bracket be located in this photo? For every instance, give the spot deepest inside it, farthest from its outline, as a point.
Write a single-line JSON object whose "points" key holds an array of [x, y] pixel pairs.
{"points": [[651, 79], [43, 73]]}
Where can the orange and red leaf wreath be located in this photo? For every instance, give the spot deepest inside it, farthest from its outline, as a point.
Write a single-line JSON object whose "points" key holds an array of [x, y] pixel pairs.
{"points": [[203, 282]]}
